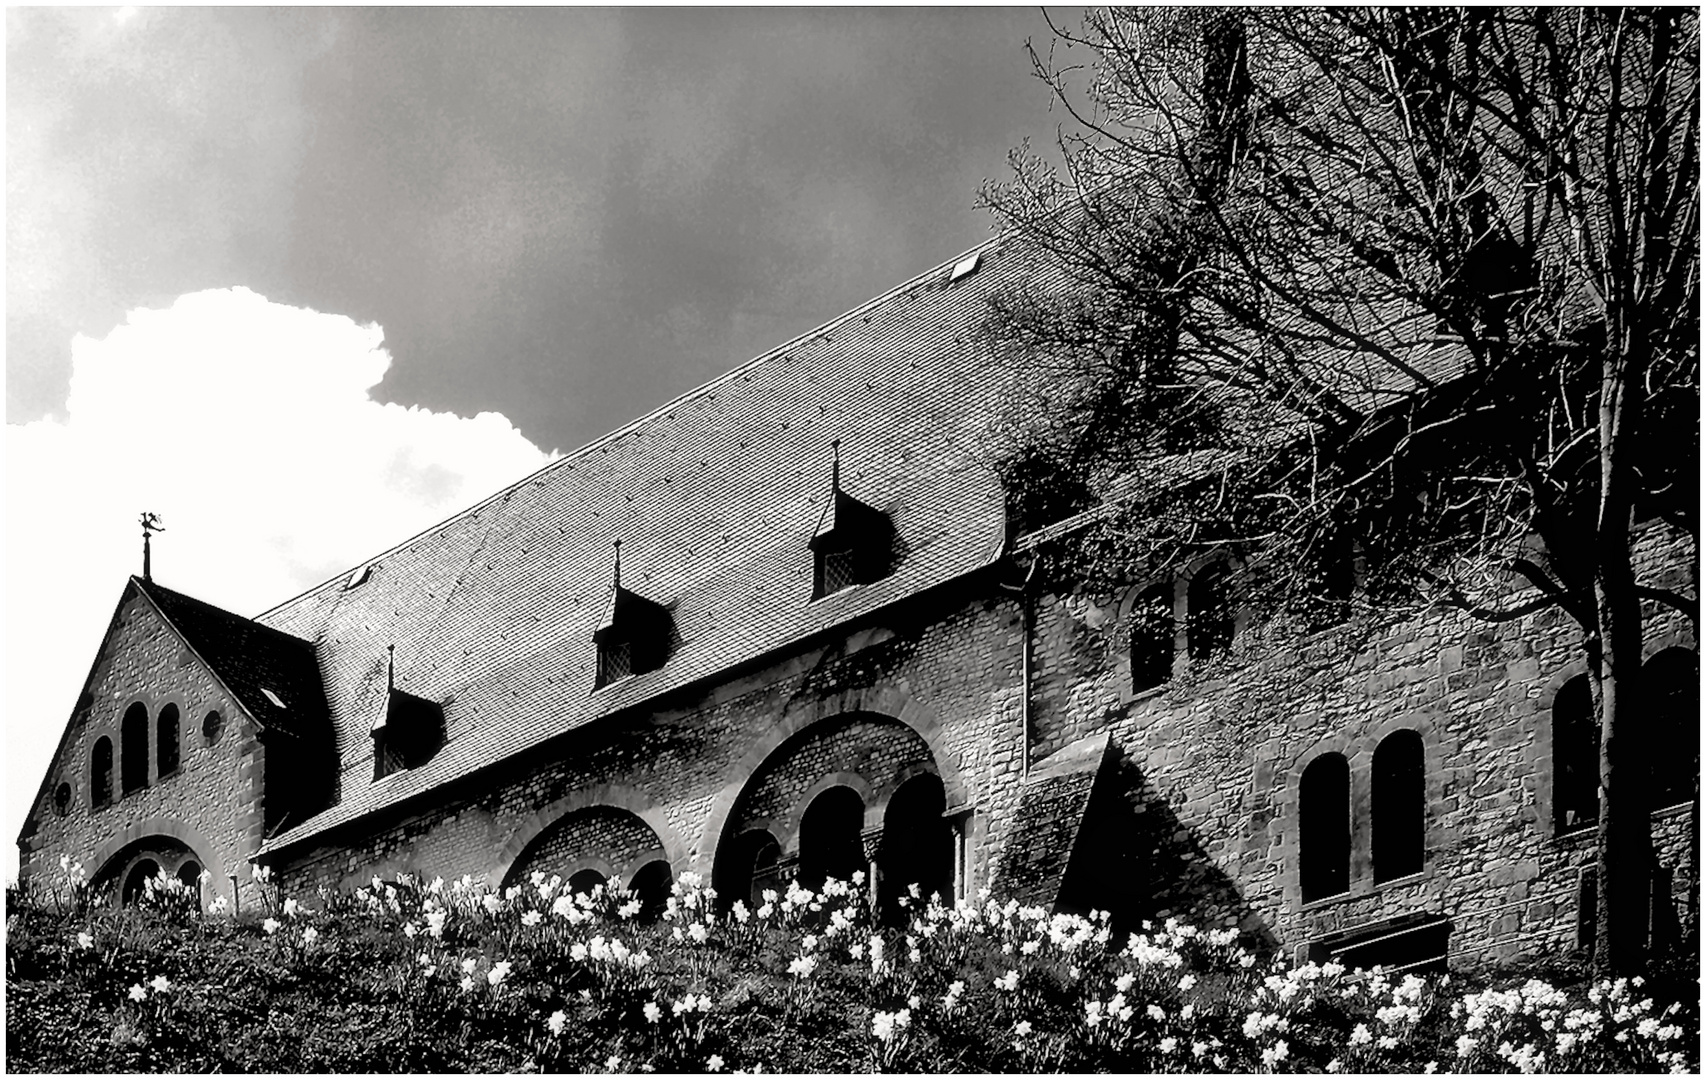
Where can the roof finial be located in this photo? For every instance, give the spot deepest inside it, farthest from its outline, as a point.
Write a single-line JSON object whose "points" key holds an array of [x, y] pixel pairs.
{"points": [[617, 544], [390, 667], [835, 465], [150, 524]]}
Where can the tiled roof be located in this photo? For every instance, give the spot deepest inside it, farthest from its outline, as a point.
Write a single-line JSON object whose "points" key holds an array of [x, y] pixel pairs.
{"points": [[715, 498], [251, 659]]}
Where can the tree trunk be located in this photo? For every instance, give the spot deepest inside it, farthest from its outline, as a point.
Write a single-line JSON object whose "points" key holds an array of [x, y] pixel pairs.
{"points": [[1625, 832]]}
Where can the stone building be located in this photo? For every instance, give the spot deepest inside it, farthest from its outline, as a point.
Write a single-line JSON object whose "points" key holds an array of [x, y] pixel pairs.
{"points": [[781, 628]]}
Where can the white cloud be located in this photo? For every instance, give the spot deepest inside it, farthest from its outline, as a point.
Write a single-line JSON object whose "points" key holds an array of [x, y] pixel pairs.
{"points": [[249, 428]]}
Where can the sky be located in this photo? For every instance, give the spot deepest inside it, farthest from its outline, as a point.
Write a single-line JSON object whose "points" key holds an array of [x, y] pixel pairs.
{"points": [[306, 281]]}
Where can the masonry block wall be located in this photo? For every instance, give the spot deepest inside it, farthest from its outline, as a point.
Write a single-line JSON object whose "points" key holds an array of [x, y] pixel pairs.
{"points": [[868, 708], [1215, 755], [610, 840], [211, 804]]}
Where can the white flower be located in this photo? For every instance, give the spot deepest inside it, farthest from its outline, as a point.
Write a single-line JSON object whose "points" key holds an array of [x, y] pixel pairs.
{"points": [[1333, 1066], [715, 1062], [309, 934], [532, 918], [1187, 981], [292, 908], [613, 1062], [1361, 1036], [137, 993], [467, 983], [802, 966], [85, 940], [1009, 981], [271, 925], [1022, 1028], [556, 1022], [698, 933], [469, 965], [160, 984], [1275, 1054], [1168, 1045], [652, 1012], [499, 972]]}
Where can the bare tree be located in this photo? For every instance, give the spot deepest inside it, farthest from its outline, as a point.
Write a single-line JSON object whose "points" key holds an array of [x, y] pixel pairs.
{"points": [[1425, 280]]}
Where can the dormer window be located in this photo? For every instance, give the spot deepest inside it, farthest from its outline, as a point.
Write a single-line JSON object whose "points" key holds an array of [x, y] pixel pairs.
{"points": [[851, 545], [634, 635], [410, 730]]}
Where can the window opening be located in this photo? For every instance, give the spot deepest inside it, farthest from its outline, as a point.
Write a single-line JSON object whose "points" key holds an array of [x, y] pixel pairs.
{"points": [[133, 748], [211, 726], [1575, 757], [917, 849], [836, 570], [584, 882], [1324, 827], [1152, 638], [615, 661], [1208, 623], [62, 799], [1672, 682], [101, 773], [166, 740], [1399, 804]]}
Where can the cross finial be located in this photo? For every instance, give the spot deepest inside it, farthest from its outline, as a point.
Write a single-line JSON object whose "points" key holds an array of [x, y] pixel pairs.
{"points": [[390, 667], [617, 544], [835, 464], [150, 524]]}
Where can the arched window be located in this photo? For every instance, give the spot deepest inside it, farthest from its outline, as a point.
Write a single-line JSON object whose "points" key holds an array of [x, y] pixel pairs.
{"points": [[133, 749], [101, 773], [166, 740], [1208, 621], [917, 847], [1672, 681], [829, 837], [746, 866], [1399, 805], [1152, 637], [1575, 757], [1324, 827]]}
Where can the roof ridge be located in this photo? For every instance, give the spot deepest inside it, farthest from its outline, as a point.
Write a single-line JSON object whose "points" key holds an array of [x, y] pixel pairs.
{"points": [[588, 447], [150, 585]]}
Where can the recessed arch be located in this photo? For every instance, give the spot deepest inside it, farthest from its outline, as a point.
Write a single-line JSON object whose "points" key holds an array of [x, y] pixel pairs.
{"points": [[614, 840], [888, 702], [618, 796], [830, 843], [113, 854], [101, 773], [167, 749], [1398, 806], [917, 846]]}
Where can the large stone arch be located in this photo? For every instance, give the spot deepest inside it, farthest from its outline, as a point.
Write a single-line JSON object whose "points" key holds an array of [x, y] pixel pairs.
{"points": [[891, 703], [610, 796], [121, 847]]}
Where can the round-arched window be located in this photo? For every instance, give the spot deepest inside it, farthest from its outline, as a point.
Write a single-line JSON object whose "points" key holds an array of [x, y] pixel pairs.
{"points": [[212, 725], [62, 799]]}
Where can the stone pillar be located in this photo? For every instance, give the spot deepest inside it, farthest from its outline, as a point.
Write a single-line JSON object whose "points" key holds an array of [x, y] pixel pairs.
{"points": [[872, 840]]}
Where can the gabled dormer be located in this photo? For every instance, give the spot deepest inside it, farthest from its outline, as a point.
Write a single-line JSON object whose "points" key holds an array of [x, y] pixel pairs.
{"points": [[852, 542], [408, 731], [633, 636]]}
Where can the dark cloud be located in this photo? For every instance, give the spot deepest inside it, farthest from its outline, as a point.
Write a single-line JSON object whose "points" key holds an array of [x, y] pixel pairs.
{"points": [[567, 216]]}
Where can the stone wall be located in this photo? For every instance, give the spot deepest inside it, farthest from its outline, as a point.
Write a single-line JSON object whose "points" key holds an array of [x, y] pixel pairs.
{"points": [[1215, 756], [936, 691], [211, 803]]}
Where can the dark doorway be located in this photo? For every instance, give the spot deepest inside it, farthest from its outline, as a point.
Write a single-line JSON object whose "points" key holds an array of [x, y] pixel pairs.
{"points": [[133, 881], [829, 837], [651, 887], [748, 866], [133, 748], [917, 848], [584, 881]]}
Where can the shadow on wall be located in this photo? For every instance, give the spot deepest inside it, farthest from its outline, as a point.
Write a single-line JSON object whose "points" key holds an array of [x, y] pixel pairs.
{"points": [[1159, 867]]}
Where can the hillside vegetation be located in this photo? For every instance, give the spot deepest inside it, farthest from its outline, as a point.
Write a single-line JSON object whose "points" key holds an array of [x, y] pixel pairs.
{"points": [[417, 976]]}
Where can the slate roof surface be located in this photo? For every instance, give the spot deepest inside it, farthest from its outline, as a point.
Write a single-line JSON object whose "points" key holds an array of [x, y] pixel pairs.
{"points": [[250, 659], [715, 498]]}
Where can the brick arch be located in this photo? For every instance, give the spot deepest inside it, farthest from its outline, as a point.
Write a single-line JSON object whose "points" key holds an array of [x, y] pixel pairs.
{"points": [[609, 796], [890, 702], [146, 828]]}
